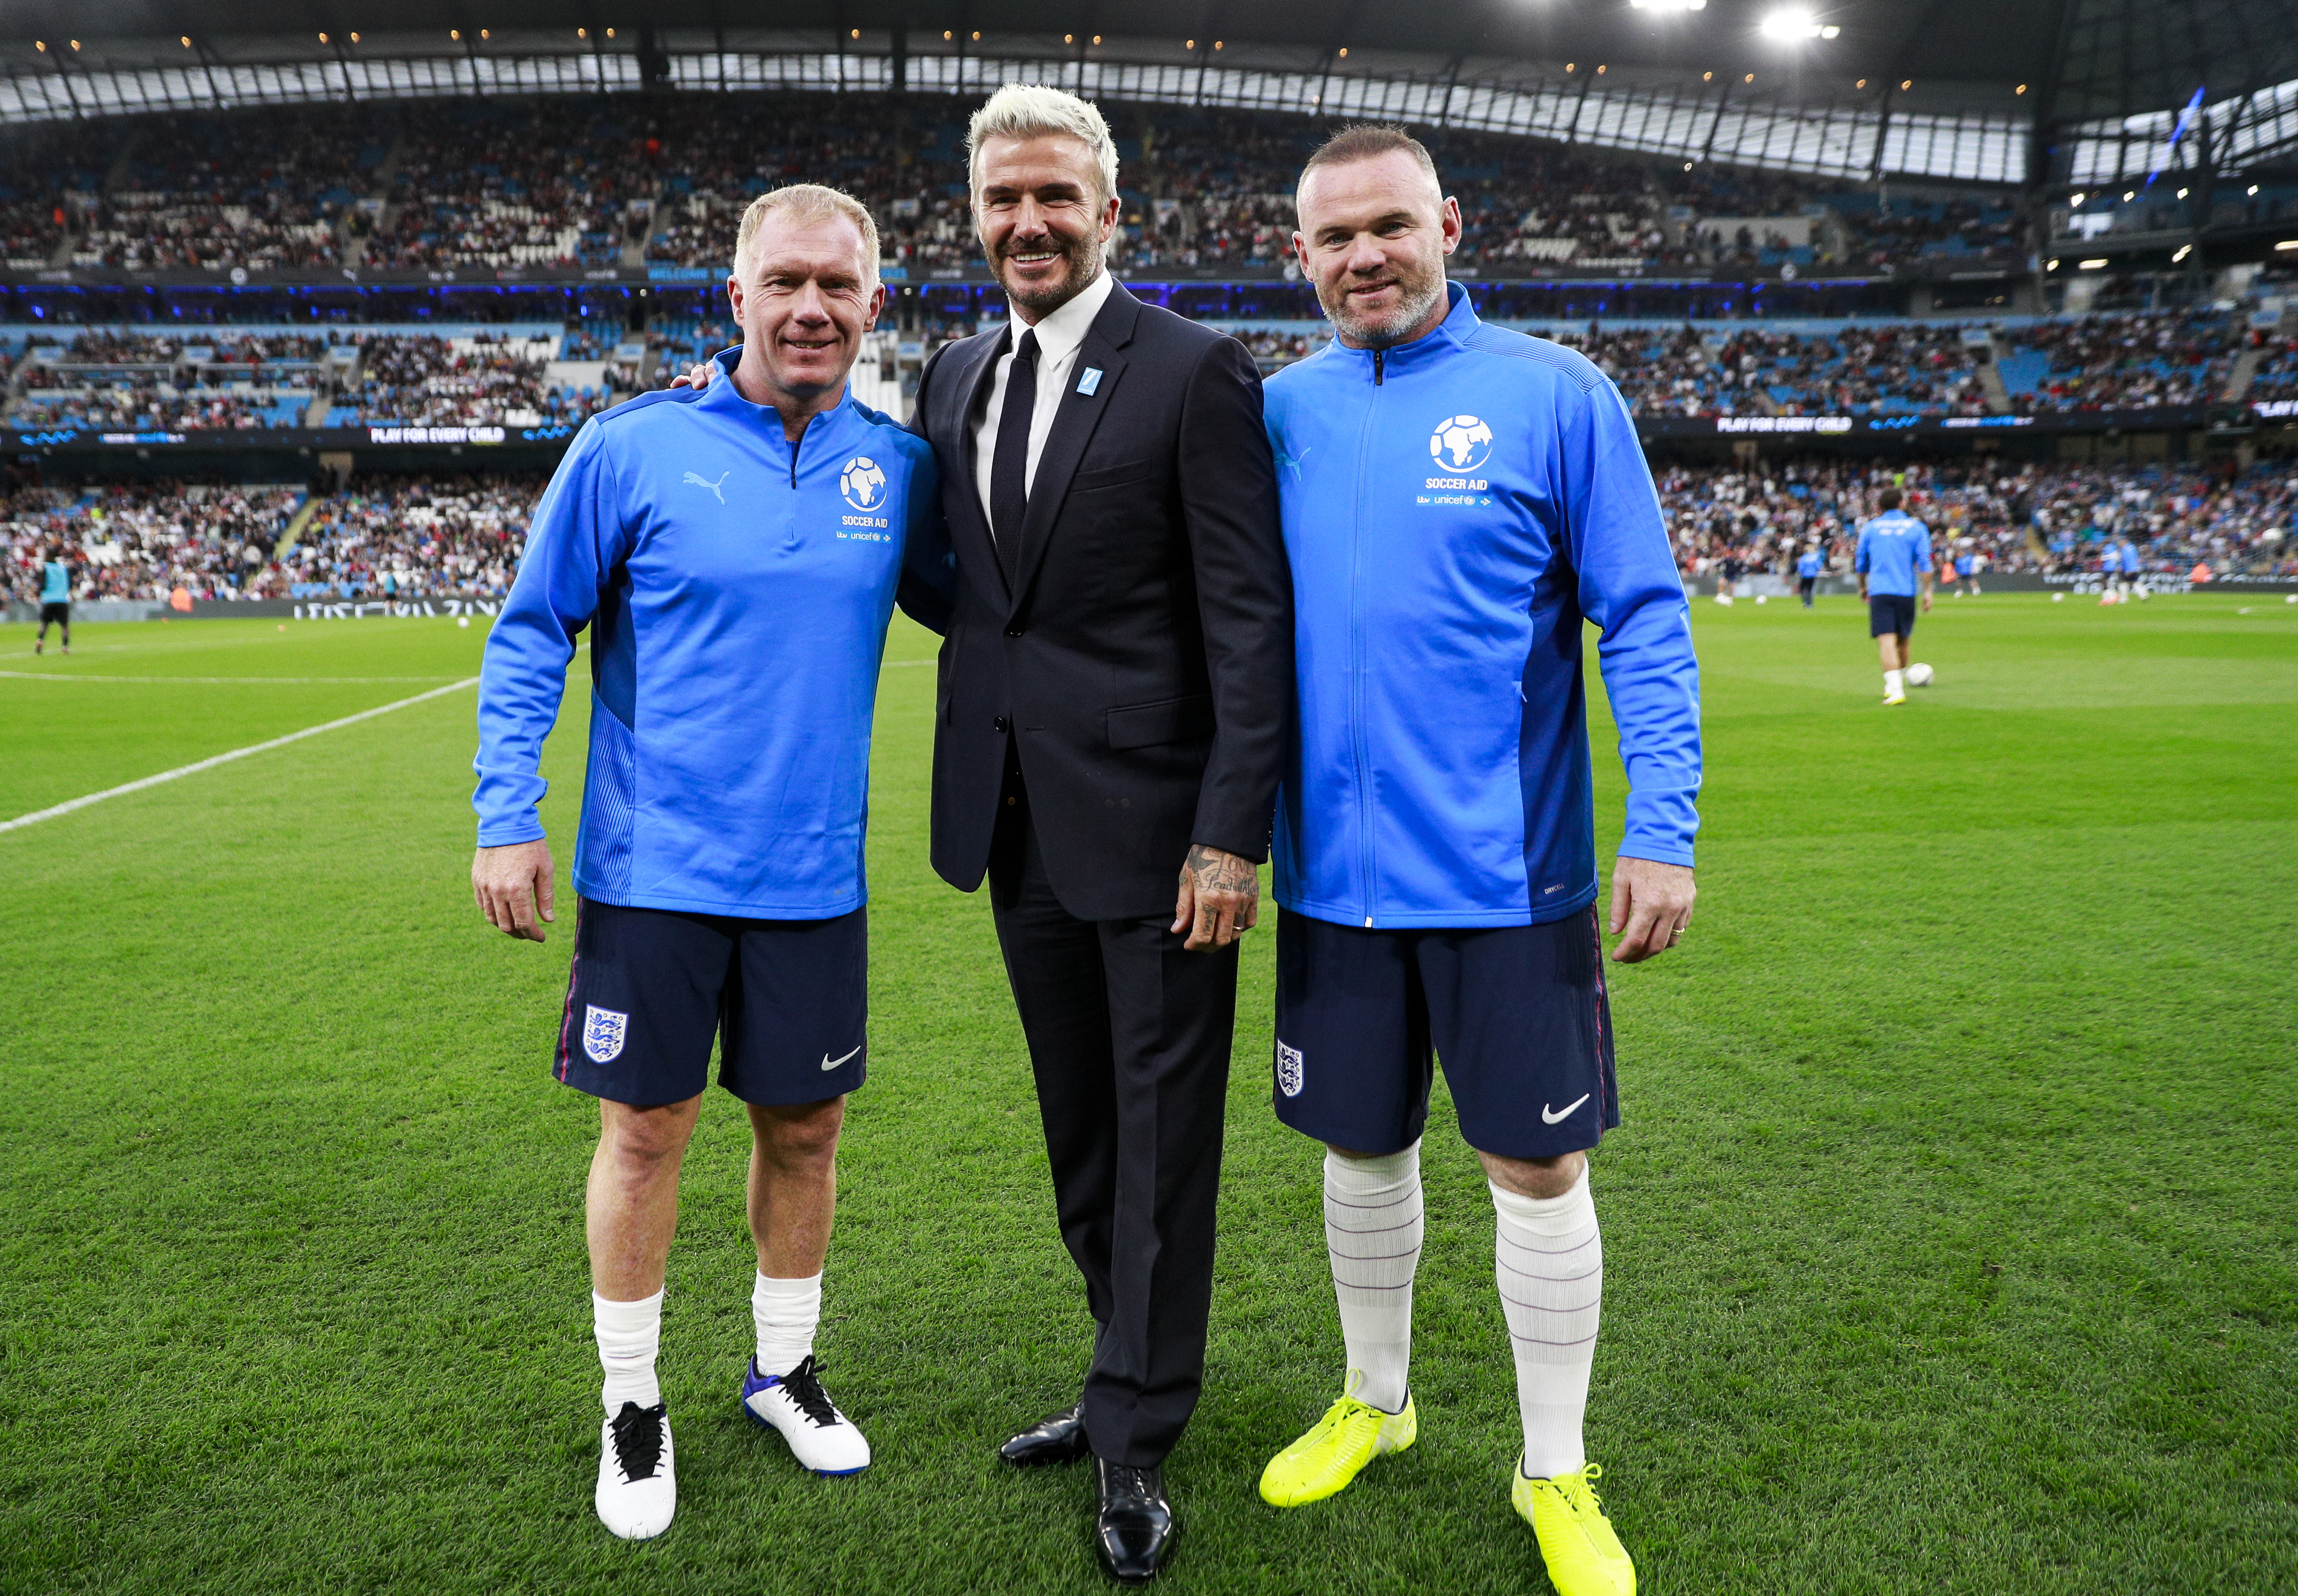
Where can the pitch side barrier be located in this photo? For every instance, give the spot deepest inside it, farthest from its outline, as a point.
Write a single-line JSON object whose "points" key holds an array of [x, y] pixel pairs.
{"points": [[1770, 584], [270, 609], [1874, 428]]}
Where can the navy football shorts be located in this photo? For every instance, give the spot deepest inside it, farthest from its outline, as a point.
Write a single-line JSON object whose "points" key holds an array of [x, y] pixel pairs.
{"points": [[1890, 612], [1517, 1013], [789, 1001]]}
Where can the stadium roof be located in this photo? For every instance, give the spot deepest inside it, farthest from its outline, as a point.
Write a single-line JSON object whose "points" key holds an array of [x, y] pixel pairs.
{"points": [[1940, 88]]}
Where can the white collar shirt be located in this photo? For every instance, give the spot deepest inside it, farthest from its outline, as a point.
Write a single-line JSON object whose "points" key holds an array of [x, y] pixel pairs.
{"points": [[1059, 336]]}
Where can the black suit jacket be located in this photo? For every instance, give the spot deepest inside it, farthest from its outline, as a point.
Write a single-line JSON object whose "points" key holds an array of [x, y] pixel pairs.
{"points": [[1141, 659]]}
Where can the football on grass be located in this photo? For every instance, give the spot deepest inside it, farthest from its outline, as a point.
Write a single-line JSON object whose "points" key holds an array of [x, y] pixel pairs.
{"points": [[1919, 675]]}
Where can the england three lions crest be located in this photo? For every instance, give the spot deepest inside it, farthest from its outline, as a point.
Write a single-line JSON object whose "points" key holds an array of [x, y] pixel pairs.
{"points": [[1289, 1071], [603, 1033]]}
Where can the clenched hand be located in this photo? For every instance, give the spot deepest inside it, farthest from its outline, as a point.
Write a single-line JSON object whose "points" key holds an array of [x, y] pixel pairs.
{"points": [[512, 885], [1220, 900]]}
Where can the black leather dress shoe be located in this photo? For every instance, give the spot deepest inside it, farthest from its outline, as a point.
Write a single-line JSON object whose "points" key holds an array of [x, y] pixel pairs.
{"points": [[1135, 1531], [1056, 1438]]}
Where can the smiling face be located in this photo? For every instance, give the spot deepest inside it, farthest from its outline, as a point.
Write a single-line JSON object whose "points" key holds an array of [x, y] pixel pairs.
{"points": [[1043, 223], [804, 296], [1374, 234]]}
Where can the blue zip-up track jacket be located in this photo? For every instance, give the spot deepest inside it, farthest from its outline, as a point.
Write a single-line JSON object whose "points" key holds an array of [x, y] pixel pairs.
{"points": [[1453, 508], [737, 589]]}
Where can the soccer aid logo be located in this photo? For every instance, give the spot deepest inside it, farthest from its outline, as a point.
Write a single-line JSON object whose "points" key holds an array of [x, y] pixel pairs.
{"points": [[862, 483], [1460, 443], [1289, 1069]]}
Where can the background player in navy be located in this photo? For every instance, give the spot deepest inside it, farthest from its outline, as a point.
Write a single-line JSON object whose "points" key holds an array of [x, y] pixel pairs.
{"points": [[735, 553], [1456, 500], [1894, 562], [55, 596]]}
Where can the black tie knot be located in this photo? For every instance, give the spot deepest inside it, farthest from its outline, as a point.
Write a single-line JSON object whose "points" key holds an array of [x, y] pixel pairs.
{"points": [[1026, 349]]}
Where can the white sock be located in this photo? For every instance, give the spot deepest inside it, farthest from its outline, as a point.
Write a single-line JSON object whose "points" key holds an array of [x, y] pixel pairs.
{"points": [[1373, 1225], [630, 1334], [786, 1312], [1895, 682], [1550, 1262]]}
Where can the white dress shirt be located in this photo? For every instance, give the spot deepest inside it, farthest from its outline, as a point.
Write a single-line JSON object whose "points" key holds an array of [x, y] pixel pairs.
{"points": [[1059, 337]]}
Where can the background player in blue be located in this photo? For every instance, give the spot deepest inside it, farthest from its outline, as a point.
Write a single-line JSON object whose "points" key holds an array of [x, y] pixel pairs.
{"points": [[1894, 562], [1456, 500], [1809, 564], [55, 596], [735, 553]]}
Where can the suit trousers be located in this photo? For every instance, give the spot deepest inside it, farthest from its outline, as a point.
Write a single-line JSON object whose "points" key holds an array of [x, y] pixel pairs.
{"points": [[1129, 1039]]}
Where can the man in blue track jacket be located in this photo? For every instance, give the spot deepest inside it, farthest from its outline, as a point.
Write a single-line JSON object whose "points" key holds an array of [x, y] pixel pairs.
{"points": [[735, 553], [1456, 500]]}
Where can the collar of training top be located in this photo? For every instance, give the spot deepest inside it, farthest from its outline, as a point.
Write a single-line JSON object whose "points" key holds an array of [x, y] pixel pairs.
{"points": [[1441, 340]]}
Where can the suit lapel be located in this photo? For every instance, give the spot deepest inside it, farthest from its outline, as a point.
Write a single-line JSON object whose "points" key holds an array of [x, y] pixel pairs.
{"points": [[1073, 428], [977, 548]]}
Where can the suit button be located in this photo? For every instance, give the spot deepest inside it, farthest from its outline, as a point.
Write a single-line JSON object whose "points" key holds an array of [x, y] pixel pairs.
{"points": [[1012, 631], [998, 724]]}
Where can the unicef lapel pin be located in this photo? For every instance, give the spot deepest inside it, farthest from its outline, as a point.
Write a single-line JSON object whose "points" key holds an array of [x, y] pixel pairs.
{"points": [[1090, 381]]}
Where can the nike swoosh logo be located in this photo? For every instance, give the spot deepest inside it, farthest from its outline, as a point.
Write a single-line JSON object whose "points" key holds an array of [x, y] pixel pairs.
{"points": [[1549, 1119], [829, 1062]]}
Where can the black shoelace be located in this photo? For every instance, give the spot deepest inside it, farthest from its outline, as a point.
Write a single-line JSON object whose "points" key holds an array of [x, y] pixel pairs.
{"points": [[803, 1384], [638, 1440]]}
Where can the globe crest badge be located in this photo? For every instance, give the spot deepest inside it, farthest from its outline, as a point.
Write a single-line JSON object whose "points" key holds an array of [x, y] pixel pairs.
{"points": [[862, 484], [1460, 443]]}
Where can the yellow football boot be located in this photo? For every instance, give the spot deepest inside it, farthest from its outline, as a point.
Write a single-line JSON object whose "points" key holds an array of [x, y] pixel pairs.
{"points": [[1584, 1558], [1335, 1450]]}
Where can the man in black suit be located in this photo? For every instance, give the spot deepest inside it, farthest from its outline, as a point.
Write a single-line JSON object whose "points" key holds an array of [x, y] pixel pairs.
{"points": [[1115, 691]]}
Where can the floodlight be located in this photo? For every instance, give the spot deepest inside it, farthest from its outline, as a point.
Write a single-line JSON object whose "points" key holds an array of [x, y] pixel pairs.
{"points": [[1793, 23], [2099, 264], [1669, 5]]}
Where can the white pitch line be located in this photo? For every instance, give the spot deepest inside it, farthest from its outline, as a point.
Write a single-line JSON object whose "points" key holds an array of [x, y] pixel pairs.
{"points": [[186, 770], [206, 681]]}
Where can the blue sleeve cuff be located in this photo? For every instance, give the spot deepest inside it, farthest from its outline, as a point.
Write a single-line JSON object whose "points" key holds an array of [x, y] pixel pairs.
{"points": [[504, 833]]}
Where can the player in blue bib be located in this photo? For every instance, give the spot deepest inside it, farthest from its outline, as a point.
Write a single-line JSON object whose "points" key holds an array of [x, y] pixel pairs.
{"points": [[1809, 565], [735, 554], [1894, 563], [55, 598]]}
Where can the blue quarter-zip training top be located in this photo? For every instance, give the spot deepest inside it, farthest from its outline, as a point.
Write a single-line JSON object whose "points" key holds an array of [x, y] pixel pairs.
{"points": [[1453, 508], [737, 589]]}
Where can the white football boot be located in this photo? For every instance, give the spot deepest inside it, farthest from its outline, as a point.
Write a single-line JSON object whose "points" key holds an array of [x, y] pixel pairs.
{"points": [[820, 1437], [638, 1487]]}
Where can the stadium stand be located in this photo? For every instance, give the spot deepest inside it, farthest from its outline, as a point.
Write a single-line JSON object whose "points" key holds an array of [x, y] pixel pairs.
{"points": [[575, 181]]}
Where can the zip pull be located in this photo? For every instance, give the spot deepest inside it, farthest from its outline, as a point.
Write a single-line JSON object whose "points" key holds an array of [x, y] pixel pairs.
{"points": [[1379, 356]]}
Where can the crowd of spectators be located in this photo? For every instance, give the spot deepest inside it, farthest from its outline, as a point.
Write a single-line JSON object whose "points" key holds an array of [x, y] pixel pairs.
{"points": [[425, 381], [578, 180], [2140, 361], [405, 538], [145, 542], [1730, 521]]}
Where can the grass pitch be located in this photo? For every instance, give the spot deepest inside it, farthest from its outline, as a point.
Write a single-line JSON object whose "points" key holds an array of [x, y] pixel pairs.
{"points": [[1950, 1234]]}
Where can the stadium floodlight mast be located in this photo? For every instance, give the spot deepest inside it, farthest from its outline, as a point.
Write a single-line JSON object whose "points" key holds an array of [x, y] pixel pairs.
{"points": [[1793, 24]]}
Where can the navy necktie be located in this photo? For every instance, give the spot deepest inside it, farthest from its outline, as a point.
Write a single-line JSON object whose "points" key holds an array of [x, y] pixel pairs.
{"points": [[1009, 467]]}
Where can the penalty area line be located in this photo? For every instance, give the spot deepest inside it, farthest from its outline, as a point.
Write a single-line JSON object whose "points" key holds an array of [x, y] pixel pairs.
{"points": [[38, 815]]}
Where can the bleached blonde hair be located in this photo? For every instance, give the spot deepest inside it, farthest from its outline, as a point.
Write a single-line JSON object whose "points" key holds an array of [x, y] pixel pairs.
{"points": [[807, 203], [1033, 110]]}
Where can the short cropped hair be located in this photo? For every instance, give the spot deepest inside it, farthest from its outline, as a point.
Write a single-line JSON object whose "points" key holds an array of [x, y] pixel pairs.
{"points": [[1888, 498], [1365, 141], [1033, 110], [808, 202]]}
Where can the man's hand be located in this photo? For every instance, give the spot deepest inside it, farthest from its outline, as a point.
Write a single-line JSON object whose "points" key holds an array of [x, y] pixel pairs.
{"points": [[698, 377], [1651, 902], [1220, 900], [512, 885]]}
